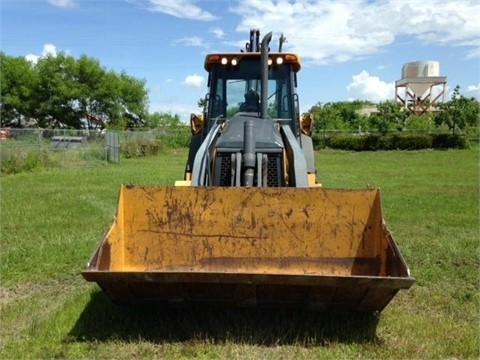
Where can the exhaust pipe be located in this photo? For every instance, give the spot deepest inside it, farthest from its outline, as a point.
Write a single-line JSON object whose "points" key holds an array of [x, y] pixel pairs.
{"points": [[249, 153], [264, 75]]}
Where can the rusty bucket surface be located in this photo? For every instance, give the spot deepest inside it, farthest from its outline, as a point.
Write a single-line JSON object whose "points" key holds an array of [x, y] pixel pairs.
{"points": [[323, 248]]}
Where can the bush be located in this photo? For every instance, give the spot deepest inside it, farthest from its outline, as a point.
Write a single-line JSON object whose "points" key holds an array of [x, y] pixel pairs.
{"points": [[386, 142], [450, 141], [130, 149], [408, 142], [352, 142], [93, 154], [420, 123], [179, 137], [14, 161], [141, 147], [372, 142], [319, 141], [149, 148]]}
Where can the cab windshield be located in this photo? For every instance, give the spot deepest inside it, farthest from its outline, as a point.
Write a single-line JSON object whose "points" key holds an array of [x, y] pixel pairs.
{"points": [[237, 88]]}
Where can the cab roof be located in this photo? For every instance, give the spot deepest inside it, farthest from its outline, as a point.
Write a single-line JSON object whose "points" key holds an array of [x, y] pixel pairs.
{"points": [[228, 57]]}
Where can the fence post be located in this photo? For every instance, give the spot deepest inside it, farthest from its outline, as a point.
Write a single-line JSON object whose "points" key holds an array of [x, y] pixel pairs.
{"points": [[39, 145], [112, 139]]}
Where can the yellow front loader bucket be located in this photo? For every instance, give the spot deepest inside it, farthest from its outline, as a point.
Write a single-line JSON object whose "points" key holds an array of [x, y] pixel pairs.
{"points": [[323, 248]]}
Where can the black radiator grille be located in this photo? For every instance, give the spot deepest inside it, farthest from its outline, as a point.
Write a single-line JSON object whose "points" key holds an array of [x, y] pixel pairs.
{"points": [[223, 170], [274, 170]]}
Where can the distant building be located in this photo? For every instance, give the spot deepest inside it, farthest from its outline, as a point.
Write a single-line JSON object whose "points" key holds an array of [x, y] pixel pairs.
{"points": [[367, 110]]}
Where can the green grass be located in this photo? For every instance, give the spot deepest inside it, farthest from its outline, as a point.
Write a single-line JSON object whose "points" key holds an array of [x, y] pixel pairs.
{"points": [[51, 221]]}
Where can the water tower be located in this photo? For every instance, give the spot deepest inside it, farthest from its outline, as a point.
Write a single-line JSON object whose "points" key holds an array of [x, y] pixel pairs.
{"points": [[423, 86]]}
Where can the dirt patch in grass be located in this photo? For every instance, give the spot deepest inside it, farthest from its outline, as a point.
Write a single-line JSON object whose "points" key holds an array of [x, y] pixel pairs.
{"points": [[18, 292], [23, 307]]}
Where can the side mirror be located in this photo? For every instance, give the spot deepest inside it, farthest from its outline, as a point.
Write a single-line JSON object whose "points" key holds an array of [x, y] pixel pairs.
{"points": [[306, 124], [196, 123]]}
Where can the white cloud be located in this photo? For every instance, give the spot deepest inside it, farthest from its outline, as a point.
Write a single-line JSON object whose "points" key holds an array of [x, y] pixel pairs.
{"points": [[472, 88], [337, 31], [190, 41], [185, 9], [217, 33], [32, 58], [372, 88], [62, 3], [156, 89], [48, 50], [383, 66], [194, 81]]}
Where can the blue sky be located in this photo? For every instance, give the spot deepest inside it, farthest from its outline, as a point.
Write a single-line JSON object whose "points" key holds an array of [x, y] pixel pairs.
{"points": [[351, 49]]}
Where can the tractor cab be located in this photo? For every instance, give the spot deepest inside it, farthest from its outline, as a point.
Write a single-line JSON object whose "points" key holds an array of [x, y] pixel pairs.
{"points": [[254, 86], [235, 86]]}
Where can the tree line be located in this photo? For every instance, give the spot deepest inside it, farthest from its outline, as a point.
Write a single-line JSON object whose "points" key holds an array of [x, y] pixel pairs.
{"points": [[457, 115], [62, 91]]}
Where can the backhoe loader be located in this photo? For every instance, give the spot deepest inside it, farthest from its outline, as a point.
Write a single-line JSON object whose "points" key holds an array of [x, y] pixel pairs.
{"points": [[249, 225]]}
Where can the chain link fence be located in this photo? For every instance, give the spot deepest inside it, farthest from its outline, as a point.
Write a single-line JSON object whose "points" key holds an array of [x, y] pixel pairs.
{"points": [[26, 149]]}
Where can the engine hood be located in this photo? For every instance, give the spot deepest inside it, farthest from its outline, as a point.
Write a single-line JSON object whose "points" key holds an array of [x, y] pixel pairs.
{"points": [[267, 135]]}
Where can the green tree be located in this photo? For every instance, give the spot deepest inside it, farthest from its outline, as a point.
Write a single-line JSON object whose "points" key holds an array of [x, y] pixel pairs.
{"points": [[54, 95], [420, 123], [91, 86], [119, 100], [161, 120], [201, 103], [17, 79], [326, 117], [132, 100], [61, 91], [390, 116], [458, 113], [342, 115], [177, 133]]}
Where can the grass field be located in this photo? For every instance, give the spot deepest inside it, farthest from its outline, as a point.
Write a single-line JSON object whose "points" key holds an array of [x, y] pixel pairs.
{"points": [[51, 221]]}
